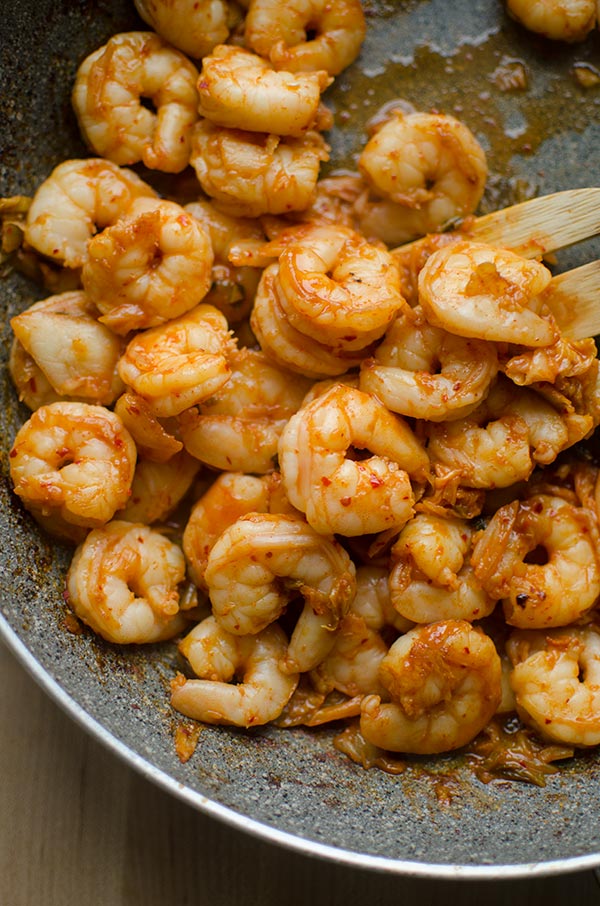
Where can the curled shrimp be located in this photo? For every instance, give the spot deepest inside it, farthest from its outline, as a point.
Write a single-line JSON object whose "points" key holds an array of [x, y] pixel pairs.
{"points": [[241, 90], [189, 25], [158, 487], [444, 682], [564, 358], [253, 173], [218, 657], [123, 583], [539, 557], [502, 440], [474, 290], [427, 168], [237, 429], [73, 461], [352, 665], [107, 94], [31, 383], [339, 494], [284, 343], [337, 31], [556, 682], [261, 562], [373, 603], [178, 364], [432, 578], [561, 20], [337, 288], [153, 265], [77, 199], [77, 355], [232, 288], [231, 495], [425, 372]]}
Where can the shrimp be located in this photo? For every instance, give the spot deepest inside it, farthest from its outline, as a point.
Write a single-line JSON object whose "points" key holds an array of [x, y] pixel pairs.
{"points": [[233, 288], [191, 26], [218, 657], [373, 602], [240, 90], [337, 288], [107, 98], [31, 383], [77, 355], [122, 582], [444, 681], [561, 20], [336, 31], [556, 682], [158, 487], [503, 439], [252, 173], [539, 557], [178, 364], [74, 461], [285, 344], [238, 428], [432, 578], [429, 166], [474, 290], [261, 562], [424, 372], [231, 495], [341, 495], [77, 199], [564, 358], [152, 439], [153, 265]]}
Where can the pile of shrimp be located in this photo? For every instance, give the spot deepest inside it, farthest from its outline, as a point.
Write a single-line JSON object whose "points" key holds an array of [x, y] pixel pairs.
{"points": [[333, 470]]}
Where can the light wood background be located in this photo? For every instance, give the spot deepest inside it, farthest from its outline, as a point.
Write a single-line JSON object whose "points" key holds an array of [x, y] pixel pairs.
{"points": [[79, 828]]}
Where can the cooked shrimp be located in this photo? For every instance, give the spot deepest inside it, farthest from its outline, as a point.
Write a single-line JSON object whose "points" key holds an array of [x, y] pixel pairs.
{"points": [[475, 290], [251, 173], [233, 288], [238, 428], [538, 556], [287, 346], [230, 496], [341, 495], [561, 20], [424, 372], [556, 681], [158, 487], [337, 288], [77, 355], [432, 578], [564, 358], [178, 364], [352, 665], [123, 581], [75, 460], [152, 438], [189, 25], [261, 562], [153, 265], [444, 681], [77, 199], [503, 439], [430, 166], [107, 97], [218, 657], [240, 90], [337, 31]]}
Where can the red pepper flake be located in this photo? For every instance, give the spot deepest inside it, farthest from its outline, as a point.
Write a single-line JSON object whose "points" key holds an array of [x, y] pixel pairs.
{"points": [[346, 501], [325, 481], [375, 481]]}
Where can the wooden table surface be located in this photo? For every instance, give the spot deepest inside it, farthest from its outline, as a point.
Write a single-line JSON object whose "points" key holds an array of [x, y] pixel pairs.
{"points": [[80, 828]]}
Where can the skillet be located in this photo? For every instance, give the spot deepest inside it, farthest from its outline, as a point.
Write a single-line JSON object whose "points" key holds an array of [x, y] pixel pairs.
{"points": [[291, 787]]}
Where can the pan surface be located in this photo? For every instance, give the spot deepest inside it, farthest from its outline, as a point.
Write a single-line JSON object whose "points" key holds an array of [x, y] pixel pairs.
{"points": [[292, 787]]}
